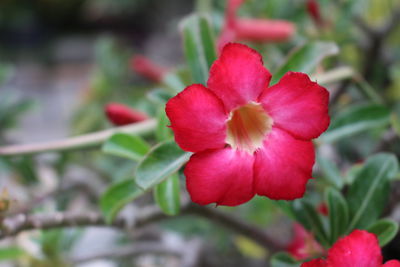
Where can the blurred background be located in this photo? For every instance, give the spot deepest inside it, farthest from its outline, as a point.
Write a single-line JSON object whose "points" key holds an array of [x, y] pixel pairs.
{"points": [[63, 61]]}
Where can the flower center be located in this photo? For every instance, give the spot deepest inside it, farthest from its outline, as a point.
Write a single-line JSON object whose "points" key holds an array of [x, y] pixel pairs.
{"points": [[247, 126]]}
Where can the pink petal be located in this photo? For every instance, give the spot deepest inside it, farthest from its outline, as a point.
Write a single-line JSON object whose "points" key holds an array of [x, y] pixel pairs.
{"points": [[197, 118], [298, 105], [283, 166], [238, 76], [360, 249], [392, 263], [223, 176], [315, 263]]}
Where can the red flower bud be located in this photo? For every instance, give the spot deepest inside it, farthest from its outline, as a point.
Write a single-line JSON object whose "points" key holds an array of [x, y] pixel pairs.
{"points": [[314, 12], [147, 68], [120, 115], [258, 30], [303, 244], [323, 209], [264, 30]]}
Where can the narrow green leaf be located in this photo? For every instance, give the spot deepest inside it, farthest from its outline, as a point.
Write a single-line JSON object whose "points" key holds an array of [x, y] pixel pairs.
{"points": [[162, 131], [207, 40], [161, 162], [117, 196], [356, 119], [159, 96], [368, 194], [167, 195], [126, 145], [314, 220], [338, 213], [385, 230], [197, 67], [330, 172], [10, 253], [305, 58], [306, 214], [199, 46], [283, 259], [173, 81]]}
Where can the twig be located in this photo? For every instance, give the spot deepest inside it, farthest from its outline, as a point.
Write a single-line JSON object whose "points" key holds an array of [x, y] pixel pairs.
{"points": [[14, 225], [335, 75], [82, 141]]}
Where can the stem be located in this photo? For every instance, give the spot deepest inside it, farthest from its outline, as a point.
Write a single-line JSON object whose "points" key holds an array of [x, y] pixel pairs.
{"points": [[82, 141], [11, 226], [335, 75]]}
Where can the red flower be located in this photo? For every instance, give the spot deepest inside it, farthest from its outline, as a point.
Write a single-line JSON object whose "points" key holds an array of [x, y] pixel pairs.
{"points": [[148, 69], [314, 12], [303, 245], [121, 115], [257, 30], [359, 249], [248, 138]]}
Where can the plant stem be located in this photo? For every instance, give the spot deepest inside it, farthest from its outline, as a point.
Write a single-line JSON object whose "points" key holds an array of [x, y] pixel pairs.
{"points": [[82, 141], [335, 75]]}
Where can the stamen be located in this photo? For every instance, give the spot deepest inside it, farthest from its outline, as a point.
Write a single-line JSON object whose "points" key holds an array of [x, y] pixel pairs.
{"points": [[247, 127]]}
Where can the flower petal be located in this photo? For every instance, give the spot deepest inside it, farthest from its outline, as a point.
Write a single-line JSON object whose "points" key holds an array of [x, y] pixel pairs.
{"points": [[283, 166], [223, 176], [360, 249], [315, 263], [297, 105], [392, 263], [197, 118], [238, 76]]}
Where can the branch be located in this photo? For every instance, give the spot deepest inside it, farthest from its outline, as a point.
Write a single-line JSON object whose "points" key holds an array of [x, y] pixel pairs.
{"points": [[82, 141], [14, 225]]}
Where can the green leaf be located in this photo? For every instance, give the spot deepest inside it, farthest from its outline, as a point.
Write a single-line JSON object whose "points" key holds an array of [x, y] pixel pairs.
{"points": [[117, 196], [338, 213], [167, 195], [126, 146], [10, 253], [368, 194], [173, 81], [385, 230], [283, 259], [161, 162], [330, 172], [356, 119], [305, 58], [199, 46], [207, 40], [307, 215], [159, 96], [162, 131]]}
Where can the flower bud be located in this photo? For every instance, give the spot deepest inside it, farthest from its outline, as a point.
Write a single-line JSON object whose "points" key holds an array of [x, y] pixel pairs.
{"points": [[314, 12], [119, 114], [262, 30], [147, 68]]}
